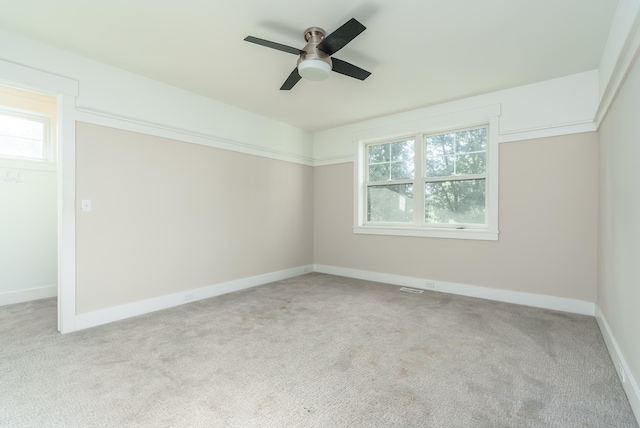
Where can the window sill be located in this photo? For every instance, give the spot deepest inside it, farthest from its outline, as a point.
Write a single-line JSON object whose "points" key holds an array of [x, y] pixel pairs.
{"points": [[475, 234]]}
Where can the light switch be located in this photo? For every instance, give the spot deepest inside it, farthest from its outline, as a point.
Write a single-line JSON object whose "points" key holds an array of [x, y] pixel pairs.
{"points": [[85, 206]]}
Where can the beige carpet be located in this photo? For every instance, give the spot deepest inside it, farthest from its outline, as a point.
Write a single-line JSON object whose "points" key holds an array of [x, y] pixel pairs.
{"points": [[312, 351]]}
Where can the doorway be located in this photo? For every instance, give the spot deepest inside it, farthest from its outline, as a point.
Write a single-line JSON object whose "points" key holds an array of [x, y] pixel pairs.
{"points": [[65, 91], [28, 193]]}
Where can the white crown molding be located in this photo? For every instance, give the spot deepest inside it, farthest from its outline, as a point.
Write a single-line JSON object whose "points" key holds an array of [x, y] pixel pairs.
{"points": [[507, 296], [117, 313], [549, 131], [332, 160], [96, 117], [19, 296], [629, 383], [37, 80]]}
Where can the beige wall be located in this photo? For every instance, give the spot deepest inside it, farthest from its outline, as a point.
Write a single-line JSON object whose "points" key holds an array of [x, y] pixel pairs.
{"points": [[619, 231], [170, 216], [548, 222]]}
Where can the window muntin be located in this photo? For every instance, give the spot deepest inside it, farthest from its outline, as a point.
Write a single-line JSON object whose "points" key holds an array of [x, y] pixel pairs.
{"points": [[440, 183], [24, 136]]}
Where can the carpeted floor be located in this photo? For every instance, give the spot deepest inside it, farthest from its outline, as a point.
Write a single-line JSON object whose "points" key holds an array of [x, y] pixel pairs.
{"points": [[312, 351]]}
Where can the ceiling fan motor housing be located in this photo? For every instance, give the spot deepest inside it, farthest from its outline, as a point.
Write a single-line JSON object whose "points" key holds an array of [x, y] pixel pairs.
{"points": [[311, 64]]}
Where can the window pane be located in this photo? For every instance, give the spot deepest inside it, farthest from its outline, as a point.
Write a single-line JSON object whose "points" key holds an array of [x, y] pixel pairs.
{"points": [[379, 153], [402, 151], [441, 145], [440, 166], [473, 140], [460, 201], [475, 163], [402, 170], [456, 153], [21, 137], [392, 203], [379, 172]]}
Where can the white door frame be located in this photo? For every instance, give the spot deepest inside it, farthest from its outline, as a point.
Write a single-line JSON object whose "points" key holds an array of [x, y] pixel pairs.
{"points": [[66, 91]]}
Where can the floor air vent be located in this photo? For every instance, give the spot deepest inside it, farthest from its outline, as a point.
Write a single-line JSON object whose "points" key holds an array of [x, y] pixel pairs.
{"points": [[411, 290]]}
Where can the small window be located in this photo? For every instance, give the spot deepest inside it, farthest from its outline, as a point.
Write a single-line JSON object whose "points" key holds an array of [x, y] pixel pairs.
{"points": [[24, 136]]}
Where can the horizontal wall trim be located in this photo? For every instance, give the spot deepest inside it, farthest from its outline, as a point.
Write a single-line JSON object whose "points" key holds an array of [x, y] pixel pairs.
{"points": [[507, 296], [503, 137], [31, 78], [117, 313], [549, 131], [630, 384], [84, 114], [333, 160], [27, 295]]}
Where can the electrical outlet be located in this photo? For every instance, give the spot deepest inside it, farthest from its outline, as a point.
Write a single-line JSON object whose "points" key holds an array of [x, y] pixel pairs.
{"points": [[188, 297], [623, 377], [430, 284]]}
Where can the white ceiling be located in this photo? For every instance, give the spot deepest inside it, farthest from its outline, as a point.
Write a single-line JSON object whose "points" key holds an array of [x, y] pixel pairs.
{"points": [[420, 52]]}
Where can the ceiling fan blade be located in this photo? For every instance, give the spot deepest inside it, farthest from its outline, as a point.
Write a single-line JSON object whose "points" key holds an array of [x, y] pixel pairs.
{"points": [[343, 67], [293, 78], [274, 45], [343, 35]]}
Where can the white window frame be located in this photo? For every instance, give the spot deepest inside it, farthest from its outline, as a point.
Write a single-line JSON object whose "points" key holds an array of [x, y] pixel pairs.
{"points": [[48, 149], [419, 129]]}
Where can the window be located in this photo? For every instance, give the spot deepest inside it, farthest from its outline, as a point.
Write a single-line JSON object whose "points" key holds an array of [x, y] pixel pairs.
{"points": [[25, 136], [434, 184]]}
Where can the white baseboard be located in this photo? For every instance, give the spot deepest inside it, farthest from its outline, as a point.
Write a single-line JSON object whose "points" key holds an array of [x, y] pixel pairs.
{"points": [[626, 376], [117, 313], [20, 296], [120, 312], [517, 297]]}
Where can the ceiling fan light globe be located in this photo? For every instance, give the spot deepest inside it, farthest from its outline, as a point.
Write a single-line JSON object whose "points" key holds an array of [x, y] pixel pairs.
{"points": [[314, 69]]}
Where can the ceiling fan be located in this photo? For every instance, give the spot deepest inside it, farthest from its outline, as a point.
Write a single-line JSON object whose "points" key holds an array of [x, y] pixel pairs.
{"points": [[315, 61]]}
